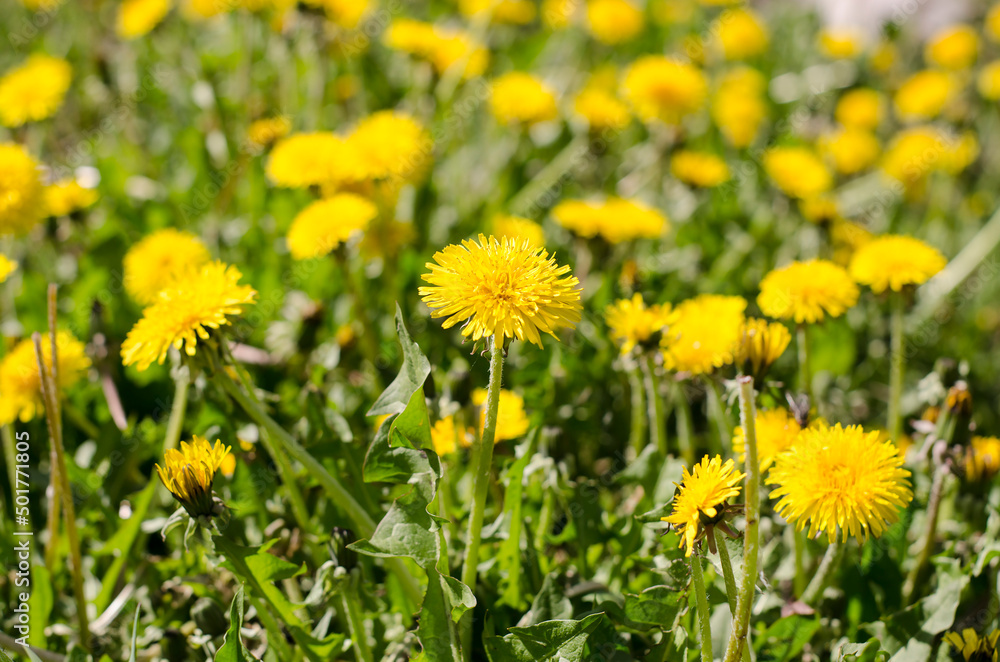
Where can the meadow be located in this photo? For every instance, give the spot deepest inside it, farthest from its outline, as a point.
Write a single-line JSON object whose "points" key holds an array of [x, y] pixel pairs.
{"points": [[506, 330]]}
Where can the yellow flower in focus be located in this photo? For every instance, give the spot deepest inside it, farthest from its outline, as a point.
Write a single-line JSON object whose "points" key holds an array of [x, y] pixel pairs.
{"points": [[633, 323], [988, 81], [851, 150], [20, 384], [840, 478], [613, 21], [601, 109], [7, 267], [739, 106], [840, 43], [701, 498], [265, 131], [514, 12], [520, 98], [503, 288], [67, 196], [759, 345], [199, 300], [327, 223], [924, 95], [615, 219], [797, 171], [699, 168], [861, 108], [953, 48], [138, 17], [982, 459], [189, 472], [34, 90], [21, 194], [776, 431], [512, 421], [391, 146], [158, 260], [309, 159], [703, 334], [518, 230], [895, 262], [973, 647], [663, 89], [807, 292], [441, 47], [446, 438], [740, 33]]}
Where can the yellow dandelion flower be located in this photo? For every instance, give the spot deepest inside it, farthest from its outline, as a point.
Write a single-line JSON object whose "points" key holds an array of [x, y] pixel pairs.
{"points": [[840, 478], [883, 56], [988, 81], [739, 107], [759, 345], [520, 98], [518, 229], [201, 10], [265, 131], [439, 46], [807, 292], [189, 472], [601, 109], [514, 12], [702, 497], [312, 159], [344, 13], [501, 288], [953, 48], [703, 334], [699, 168], [138, 17], [7, 267], [391, 146], [21, 193], [973, 647], [633, 323], [613, 21], [895, 262], [982, 459], [663, 89], [557, 14], [512, 421], [924, 95], [740, 34], [851, 150], [819, 210], [913, 154], [615, 219], [67, 196], [672, 12], [992, 23], [446, 436], [198, 301], [959, 153], [797, 171], [840, 43], [776, 431], [158, 260], [861, 108], [847, 237], [34, 90], [20, 385], [327, 223]]}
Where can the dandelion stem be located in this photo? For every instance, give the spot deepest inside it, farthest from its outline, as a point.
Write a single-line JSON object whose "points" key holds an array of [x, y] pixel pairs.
{"points": [[746, 593], [637, 431], [684, 424], [805, 371], [701, 599], [933, 509], [896, 368], [483, 451], [799, 542], [822, 576], [718, 409], [654, 400], [182, 382], [9, 452], [351, 609], [730, 578]]}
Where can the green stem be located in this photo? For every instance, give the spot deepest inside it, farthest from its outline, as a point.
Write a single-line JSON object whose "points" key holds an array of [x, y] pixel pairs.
{"points": [[481, 478], [722, 423], [745, 596], [290, 481], [351, 609], [822, 576], [701, 599], [654, 402], [730, 578], [799, 541], [805, 371], [9, 453], [182, 382], [897, 369], [637, 431], [684, 424], [933, 510]]}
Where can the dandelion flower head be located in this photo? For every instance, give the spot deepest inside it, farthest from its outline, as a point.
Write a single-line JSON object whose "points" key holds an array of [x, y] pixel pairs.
{"points": [[189, 473], [954, 48], [702, 497], [924, 95], [797, 171], [158, 260], [518, 229], [615, 219], [520, 98], [138, 17], [776, 431], [20, 384], [663, 89], [807, 292], [21, 191], [327, 223], [699, 168], [861, 108], [704, 333], [634, 323], [512, 421], [895, 262], [34, 90], [67, 196], [613, 21]]}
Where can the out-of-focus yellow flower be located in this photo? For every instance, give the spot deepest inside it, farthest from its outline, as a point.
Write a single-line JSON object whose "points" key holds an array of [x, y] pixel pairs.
{"points": [[672, 12], [159, 260], [663, 89], [440, 46], [840, 43], [776, 431], [390, 146], [851, 150], [502, 288], [895, 262], [67, 196], [345, 13], [634, 323], [138, 17], [189, 473], [820, 209], [558, 14], [704, 333], [916, 152], [992, 24], [740, 34], [699, 168], [518, 229], [807, 292], [327, 223], [924, 95], [615, 219], [701, 499], [797, 171], [265, 131], [34, 90], [199, 300], [601, 109], [387, 239], [512, 421], [309, 159], [446, 436], [960, 154], [201, 10], [7, 267], [883, 57], [21, 193], [988, 81], [739, 107], [982, 458], [847, 237], [514, 12], [953, 48], [613, 21], [20, 383], [760, 344], [520, 98], [861, 108]]}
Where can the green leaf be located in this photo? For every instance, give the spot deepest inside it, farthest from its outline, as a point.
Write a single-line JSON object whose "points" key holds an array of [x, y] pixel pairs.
{"points": [[988, 553], [232, 649], [135, 636], [391, 458], [407, 530], [550, 604], [555, 641], [39, 604], [786, 637], [870, 651], [445, 602], [411, 377], [657, 606]]}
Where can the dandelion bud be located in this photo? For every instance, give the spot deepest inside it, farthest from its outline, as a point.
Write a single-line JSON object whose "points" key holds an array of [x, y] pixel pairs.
{"points": [[189, 472], [760, 344]]}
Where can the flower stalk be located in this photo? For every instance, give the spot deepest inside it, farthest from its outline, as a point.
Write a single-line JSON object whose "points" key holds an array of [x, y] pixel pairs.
{"points": [[897, 367], [637, 430], [805, 370], [927, 547], [726, 561], [819, 581], [654, 400], [701, 599]]}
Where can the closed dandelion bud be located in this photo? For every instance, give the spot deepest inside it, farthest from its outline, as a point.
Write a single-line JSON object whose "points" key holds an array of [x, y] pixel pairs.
{"points": [[954, 427], [340, 553], [959, 400], [760, 344], [189, 472], [982, 459], [209, 616]]}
